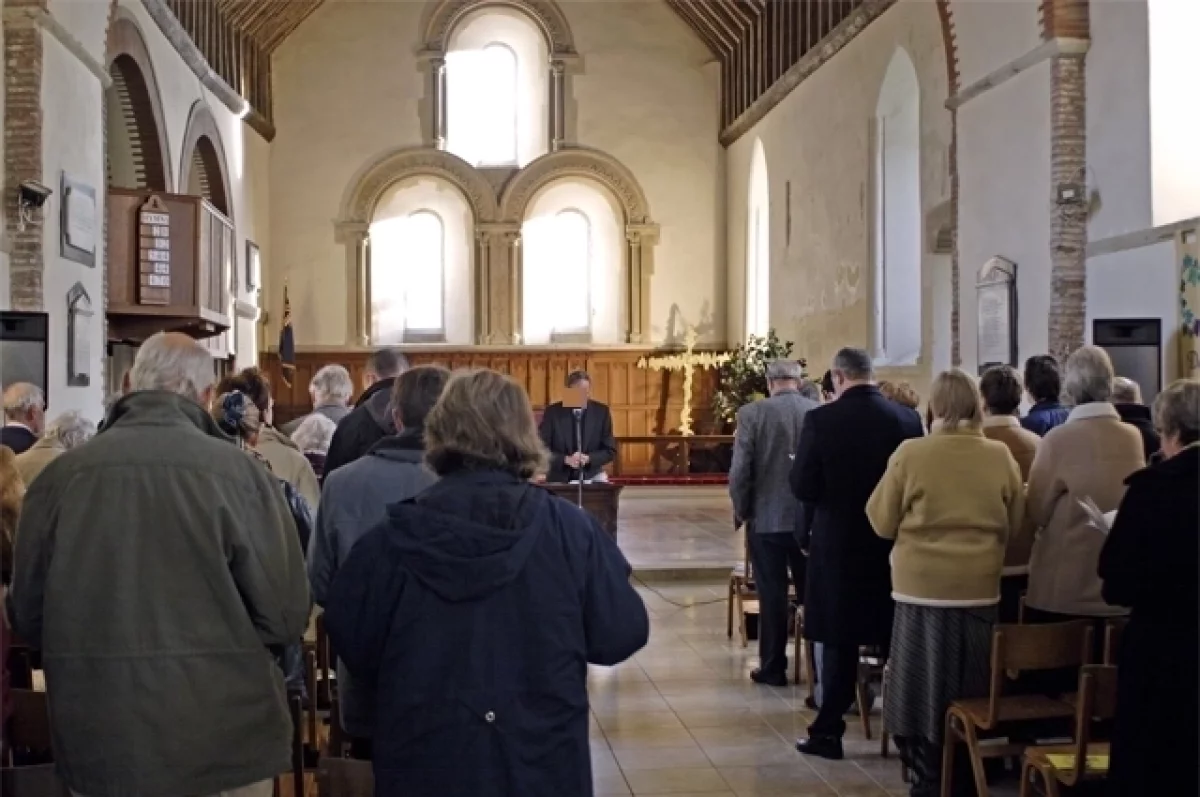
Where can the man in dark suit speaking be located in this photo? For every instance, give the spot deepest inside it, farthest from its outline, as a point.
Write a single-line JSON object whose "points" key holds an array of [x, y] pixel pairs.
{"points": [[579, 436]]}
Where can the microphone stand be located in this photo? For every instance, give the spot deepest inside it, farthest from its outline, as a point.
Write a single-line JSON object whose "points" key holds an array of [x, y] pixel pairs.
{"points": [[578, 413]]}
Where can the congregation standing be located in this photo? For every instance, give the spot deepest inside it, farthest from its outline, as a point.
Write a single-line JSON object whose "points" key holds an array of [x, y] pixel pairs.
{"points": [[167, 566]]}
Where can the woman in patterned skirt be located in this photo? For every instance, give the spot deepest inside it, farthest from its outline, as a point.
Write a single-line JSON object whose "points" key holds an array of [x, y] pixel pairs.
{"points": [[951, 501]]}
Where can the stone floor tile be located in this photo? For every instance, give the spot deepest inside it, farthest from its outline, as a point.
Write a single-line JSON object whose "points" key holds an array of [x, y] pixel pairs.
{"points": [[643, 758], [676, 781], [792, 779], [605, 785]]}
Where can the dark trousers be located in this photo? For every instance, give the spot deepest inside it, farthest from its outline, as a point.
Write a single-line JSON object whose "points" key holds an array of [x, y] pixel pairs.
{"points": [[839, 675], [773, 555]]}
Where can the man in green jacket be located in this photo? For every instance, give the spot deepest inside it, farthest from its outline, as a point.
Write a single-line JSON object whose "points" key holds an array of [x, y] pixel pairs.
{"points": [[155, 568]]}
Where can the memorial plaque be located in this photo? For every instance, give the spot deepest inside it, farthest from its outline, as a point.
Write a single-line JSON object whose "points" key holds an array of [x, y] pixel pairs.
{"points": [[78, 223], [996, 314], [79, 345], [154, 253]]}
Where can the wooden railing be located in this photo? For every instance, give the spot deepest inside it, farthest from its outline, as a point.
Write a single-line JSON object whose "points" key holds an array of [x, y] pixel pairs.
{"points": [[676, 450]]}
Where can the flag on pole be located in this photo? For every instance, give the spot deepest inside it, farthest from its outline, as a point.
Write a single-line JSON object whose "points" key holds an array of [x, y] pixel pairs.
{"points": [[287, 342]]}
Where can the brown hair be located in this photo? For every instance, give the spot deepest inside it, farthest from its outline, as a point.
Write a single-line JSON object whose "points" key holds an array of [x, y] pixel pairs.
{"points": [[236, 414], [901, 393], [12, 494], [253, 383], [954, 399], [483, 421], [1001, 389], [415, 392]]}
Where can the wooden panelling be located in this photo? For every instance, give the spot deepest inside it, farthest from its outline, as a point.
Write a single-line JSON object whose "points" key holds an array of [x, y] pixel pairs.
{"points": [[643, 402]]}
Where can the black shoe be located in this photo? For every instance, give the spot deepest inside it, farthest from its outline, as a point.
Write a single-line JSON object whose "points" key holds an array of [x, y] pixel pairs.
{"points": [[822, 746], [760, 677]]}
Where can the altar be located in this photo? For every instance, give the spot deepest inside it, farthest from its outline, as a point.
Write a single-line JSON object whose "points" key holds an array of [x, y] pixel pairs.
{"points": [[601, 499]]}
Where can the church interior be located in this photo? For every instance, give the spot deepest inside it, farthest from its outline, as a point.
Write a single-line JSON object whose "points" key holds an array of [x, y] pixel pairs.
{"points": [[646, 190]]}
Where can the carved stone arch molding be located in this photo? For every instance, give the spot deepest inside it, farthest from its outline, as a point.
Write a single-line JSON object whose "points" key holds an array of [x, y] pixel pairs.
{"points": [[546, 13], [136, 86], [202, 140], [641, 232], [352, 229]]}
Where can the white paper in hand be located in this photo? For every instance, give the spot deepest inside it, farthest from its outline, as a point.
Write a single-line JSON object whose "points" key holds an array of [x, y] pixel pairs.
{"points": [[1101, 521]]}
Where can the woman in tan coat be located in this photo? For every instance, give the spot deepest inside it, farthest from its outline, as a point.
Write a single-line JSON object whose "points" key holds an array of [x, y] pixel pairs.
{"points": [[951, 501], [12, 495], [1089, 456]]}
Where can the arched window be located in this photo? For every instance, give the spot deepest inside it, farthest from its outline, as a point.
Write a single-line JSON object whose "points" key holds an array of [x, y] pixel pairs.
{"points": [[572, 238], [408, 274], [896, 232], [497, 82], [758, 247]]}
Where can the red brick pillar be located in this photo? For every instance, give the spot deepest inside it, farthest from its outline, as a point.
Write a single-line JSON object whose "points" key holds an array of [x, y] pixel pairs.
{"points": [[23, 146], [1067, 19]]}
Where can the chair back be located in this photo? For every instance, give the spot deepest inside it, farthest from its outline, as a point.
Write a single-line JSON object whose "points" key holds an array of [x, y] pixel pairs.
{"points": [[1018, 648], [345, 777], [29, 726], [1114, 630], [1097, 702]]}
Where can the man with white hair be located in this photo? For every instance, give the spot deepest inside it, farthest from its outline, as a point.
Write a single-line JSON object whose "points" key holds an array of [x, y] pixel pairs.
{"points": [[1127, 398], [763, 449], [24, 414], [331, 389], [66, 432], [156, 569]]}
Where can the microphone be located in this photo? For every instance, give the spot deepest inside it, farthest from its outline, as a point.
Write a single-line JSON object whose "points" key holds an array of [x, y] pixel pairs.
{"points": [[577, 412]]}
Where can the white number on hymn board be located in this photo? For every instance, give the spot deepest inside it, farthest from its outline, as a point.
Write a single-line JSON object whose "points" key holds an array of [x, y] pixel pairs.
{"points": [[155, 281], [156, 218], [162, 268], [158, 255]]}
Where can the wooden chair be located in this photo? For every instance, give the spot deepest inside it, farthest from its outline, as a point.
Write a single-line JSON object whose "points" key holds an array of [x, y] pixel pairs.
{"points": [[1014, 648], [871, 666], [803, 657], [1114, 630], [325, 683], [345, 777], [1097, 702], [743, 597]]}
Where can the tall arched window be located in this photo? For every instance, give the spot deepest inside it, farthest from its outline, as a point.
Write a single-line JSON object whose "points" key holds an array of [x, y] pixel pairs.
{"points": [[758, 247], [572, 238], [497, 83], [896, 232], [408, 274]]}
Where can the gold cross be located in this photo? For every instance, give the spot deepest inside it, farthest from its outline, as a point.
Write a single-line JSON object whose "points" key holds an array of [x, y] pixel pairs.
{"points": [[687, 362]]}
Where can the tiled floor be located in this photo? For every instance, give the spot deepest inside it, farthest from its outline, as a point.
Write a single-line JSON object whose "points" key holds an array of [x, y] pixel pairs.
{"points": [[678, 528], [682, 717]]}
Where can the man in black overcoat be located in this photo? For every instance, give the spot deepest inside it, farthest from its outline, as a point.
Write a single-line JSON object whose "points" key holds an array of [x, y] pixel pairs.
{"points": [[571, 456], [843, 452]]}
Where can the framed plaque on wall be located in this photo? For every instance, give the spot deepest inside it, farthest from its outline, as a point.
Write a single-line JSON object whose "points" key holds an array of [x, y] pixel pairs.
{"points": [[996, 313]]}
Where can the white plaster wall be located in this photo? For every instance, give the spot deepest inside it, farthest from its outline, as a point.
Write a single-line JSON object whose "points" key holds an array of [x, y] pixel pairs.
{"points": [[1004, 202], [1118, 117], [1138, 283], [72, 141], [347, 88], [818, 139], [990, 33]]}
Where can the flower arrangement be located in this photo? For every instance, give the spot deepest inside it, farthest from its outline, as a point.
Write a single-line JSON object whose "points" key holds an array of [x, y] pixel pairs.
{"points": [[742, 379]]}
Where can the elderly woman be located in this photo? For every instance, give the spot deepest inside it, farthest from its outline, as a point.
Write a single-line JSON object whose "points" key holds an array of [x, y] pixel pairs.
{"points": [[1088, 457], [331, 389], [12, 495], [900, 392], [1148, 565], [475, 608], [67, 431], [951, 501], [313, 437]]}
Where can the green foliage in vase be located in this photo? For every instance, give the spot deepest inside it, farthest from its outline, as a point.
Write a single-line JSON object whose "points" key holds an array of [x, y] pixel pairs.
{"points": [[743, 379]]}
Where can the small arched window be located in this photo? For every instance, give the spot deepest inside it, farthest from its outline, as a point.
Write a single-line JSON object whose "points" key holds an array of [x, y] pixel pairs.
{"points": [[573, 240], [483, 107], [408, 273]]}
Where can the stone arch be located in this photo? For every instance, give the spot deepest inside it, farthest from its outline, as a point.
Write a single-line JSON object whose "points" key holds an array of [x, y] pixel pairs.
{"points": [[204, 152], [585, 162], [546, 13], [134, 97], [641, 233], [365, 190]]}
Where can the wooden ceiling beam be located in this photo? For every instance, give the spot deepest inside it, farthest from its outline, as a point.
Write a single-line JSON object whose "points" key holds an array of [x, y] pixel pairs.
{"points": [[704, 10], [712, 39]]}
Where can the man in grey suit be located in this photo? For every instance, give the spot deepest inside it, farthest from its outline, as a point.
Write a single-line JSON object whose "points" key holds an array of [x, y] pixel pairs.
{"points": [[763, 449]]}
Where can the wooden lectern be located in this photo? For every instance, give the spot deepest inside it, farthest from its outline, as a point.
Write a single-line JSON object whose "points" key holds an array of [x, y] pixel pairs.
{"points": [[602, 499]]}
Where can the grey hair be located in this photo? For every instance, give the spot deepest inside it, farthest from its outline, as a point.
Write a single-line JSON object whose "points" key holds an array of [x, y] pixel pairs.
{"points": [[1126, 391], [22, 398], [1177, 411], [314, 433], [854, 364], [175, 363], [811, 390], [71, 430], [1089, 376], [332, 385], [780, 370]]}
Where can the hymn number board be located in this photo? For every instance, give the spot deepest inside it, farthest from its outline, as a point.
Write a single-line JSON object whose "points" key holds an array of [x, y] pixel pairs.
{"points": [[154, 253]]}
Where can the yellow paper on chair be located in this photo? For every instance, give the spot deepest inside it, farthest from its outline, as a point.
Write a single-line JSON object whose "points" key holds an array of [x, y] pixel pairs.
{"points": [[1066, 761]]}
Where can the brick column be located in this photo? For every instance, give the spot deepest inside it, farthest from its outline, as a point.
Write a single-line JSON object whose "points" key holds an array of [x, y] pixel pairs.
{"points": [[23, 147], [1067, 19]]}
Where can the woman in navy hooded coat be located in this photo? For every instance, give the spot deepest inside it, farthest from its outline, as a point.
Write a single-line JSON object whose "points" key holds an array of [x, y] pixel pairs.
{"points": [[475, 608]]}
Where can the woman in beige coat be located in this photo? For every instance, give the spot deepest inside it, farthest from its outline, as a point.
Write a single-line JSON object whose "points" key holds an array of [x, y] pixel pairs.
{"points": [[67, 431], [1089, 456]]}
